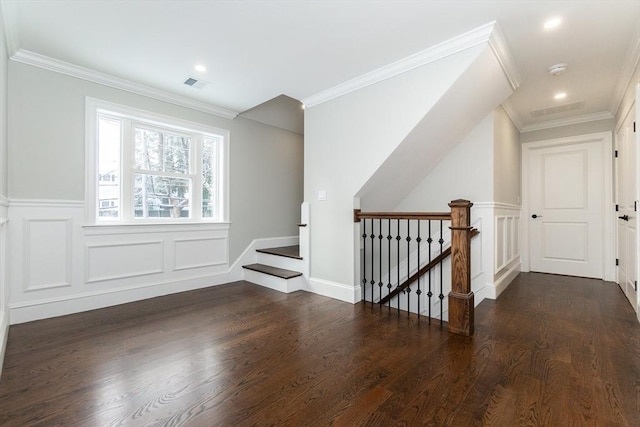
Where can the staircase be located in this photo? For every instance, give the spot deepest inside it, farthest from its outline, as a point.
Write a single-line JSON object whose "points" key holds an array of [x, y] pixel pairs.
{"points": [[277, 268]]}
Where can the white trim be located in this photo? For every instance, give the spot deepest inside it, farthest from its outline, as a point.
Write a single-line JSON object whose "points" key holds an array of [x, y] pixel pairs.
{"points": [[4, 202], [505, 279], [501, 51], [496, 205], [45, 203], [488, 33], [626, 74], [26, 261], [513, 114], [608, 219], [335, 290], [87, 256], [130, 116], [585, 118], [118, 228], [4, 335], [55, 65], [200, 265]]}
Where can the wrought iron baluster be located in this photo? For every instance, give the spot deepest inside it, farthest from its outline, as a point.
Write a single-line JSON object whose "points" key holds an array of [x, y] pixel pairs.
{"points": [[408, 265], [380, 259], [389, 237], [372, 282], [418, 292], [364, 259], [441, 296], [430, 293], [398, 238]]}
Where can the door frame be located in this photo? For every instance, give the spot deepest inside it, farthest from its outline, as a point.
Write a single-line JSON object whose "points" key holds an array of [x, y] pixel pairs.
{"points": [[608, 214]]}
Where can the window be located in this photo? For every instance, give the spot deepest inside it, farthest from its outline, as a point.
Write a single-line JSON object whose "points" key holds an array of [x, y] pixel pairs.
{"points": [[142, 167]]}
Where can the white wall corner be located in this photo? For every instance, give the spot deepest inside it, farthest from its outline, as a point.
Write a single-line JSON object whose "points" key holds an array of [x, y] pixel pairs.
{"points": [[339, 291], [442, 50], [10, 31], [57, 66], [626, 74], [513, 114]]}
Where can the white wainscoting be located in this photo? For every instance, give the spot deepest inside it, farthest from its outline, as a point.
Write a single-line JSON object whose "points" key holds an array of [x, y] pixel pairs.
{"points": [[507, 263], [4, 295], [60, 266]]}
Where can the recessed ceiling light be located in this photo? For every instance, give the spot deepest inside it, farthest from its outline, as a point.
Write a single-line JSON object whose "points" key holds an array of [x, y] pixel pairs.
{"points": [[552, 23], [560, 95], [200, 68]]}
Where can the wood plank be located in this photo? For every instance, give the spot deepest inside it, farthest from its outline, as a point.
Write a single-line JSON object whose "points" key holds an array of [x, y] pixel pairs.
{"points": [[551, 350], [273, 271], [285, 251]]}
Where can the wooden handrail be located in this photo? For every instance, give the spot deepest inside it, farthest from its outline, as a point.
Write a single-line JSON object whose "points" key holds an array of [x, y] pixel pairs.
{"points": [[435, 216], [441, 257]]}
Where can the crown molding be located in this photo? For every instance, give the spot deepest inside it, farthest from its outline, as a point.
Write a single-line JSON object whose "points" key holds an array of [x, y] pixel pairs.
{"points": [[513, 114], [626, 74], [486, 33], [585, 118], [55, 65], [502, 53]]}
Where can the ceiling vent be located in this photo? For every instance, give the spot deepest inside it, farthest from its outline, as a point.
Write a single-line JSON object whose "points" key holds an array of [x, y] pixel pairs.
{"points": [[558, 109], [193, 82]]}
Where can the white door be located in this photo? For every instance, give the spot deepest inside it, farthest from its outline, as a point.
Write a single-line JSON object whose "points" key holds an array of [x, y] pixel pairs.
{"points": [[566, 208], [626, 200]]}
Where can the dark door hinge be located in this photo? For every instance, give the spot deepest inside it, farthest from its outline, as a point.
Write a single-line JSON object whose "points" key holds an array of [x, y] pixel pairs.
{"points": [[617, 207], [615, 153], [617, 261], [635, 285]]}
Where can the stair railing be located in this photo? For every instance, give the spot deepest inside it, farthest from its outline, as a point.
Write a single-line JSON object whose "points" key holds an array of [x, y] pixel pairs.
{"points": [[391, 267]]}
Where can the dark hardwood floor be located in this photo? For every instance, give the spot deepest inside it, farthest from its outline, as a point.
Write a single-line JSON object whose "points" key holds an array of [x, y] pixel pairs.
{"points": [[551, 351]]}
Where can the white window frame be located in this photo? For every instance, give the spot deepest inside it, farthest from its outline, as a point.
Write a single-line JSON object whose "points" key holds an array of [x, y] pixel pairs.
{"points": [[93, 108]]}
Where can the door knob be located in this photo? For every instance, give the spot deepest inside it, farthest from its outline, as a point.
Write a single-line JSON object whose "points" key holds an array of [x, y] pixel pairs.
{"points": [[624, 217], [534, 216]]}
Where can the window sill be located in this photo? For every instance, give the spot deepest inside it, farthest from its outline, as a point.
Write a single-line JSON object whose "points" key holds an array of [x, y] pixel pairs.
{"points": [[153, 227]]}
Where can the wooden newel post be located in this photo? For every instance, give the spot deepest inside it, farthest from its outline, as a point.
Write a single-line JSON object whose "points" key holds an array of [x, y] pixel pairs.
{"points": [[461, 298]]}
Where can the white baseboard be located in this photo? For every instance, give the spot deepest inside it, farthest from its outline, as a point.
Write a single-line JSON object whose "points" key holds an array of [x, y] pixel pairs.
{"points": [[479, 295], [4, 335], [505, 279], [334, 290], [53, 307]]}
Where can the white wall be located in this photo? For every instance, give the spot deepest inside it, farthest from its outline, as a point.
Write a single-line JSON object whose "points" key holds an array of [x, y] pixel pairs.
{"points": [[59, 265], [466, 173], [46, 147], [346, 141], [506, 159], [4, 312]]}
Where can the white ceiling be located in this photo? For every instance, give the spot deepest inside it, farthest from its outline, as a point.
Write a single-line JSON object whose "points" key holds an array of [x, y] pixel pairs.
{"points": [[258, 50]]}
